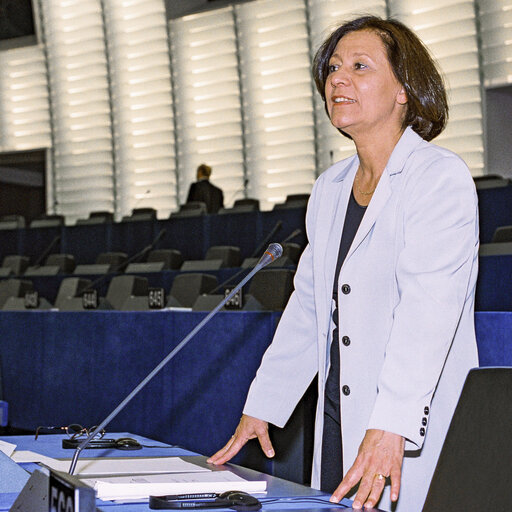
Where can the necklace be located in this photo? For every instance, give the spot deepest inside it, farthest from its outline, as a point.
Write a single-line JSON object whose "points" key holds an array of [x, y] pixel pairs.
{"points": [[359, 189]]}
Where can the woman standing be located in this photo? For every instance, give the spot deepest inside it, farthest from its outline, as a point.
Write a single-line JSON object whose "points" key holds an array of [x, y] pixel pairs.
{"points": [[384, 292]]}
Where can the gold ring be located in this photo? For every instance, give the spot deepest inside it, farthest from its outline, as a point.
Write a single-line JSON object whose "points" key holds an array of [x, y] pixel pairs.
{"points": [[380, 476]]}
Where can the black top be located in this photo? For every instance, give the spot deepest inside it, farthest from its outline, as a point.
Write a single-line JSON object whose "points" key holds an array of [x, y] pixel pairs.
{"points": [[355, 213], [207, 193]]}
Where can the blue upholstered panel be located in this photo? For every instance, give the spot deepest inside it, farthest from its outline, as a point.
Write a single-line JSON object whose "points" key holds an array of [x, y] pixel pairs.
{"points": [[190, 235], [85, 242], [494, 336], [242, 230], [495, 210], [60, 368], [34, 241], [494, 286]]}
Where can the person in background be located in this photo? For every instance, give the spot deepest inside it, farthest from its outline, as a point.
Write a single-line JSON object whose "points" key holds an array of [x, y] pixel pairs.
{"points": [[204, 191], [384, 294]]}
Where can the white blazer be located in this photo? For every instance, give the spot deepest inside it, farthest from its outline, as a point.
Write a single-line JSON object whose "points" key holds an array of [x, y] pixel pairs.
{"points": [[406, 300]]}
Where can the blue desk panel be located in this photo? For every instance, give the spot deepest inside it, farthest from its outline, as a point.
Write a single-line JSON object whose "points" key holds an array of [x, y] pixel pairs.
{"points": [[60, 368]]}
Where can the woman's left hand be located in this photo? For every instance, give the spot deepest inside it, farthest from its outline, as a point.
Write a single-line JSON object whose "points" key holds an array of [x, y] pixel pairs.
{"points": [[380, 456]]}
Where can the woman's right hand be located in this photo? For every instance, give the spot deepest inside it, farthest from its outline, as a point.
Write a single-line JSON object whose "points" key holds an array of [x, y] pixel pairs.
{"points": [[248, 428]]}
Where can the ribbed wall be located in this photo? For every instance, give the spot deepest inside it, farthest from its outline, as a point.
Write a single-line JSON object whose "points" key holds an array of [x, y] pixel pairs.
{"points": [[278, 103], [24, 111], [495, 17], [448, 28], [130, 122], [82, 132], [142, 112], [208, 103], [325, 16]]}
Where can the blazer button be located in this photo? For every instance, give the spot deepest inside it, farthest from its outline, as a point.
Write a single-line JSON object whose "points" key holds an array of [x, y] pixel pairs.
{"points": [[345, 288], [346, 341], [426, 411], [346, 390], [424, 422], [422, 431]]}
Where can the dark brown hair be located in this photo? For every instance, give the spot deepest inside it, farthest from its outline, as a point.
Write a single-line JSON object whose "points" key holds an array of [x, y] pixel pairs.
{"points": [[412, 65]]}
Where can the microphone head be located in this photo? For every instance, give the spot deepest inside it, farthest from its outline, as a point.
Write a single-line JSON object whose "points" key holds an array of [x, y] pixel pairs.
{"points": [[273, 252]]}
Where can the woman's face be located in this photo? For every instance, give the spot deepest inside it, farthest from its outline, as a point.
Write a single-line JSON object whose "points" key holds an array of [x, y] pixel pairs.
{"points": [[362, 95]]}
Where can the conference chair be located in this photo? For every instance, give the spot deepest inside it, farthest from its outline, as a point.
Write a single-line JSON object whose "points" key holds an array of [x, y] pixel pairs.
{"points": [[228, 254], [157, 260], [187, 287], [190, 209], [99, 217], [293, 201], [105, 262], [490, 181], [48, 221], [14, 288], [269, 290], [140, 214], [14, 264], [217, 256], [502, 234], [70, 288], [12, 222], [242, 206], [473, 469], [122, 288], [54, 264]]}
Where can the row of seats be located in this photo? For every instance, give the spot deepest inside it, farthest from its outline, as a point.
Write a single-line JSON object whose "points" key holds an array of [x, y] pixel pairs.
{"points": [[268, 290], [156, 261], [190, 209]]}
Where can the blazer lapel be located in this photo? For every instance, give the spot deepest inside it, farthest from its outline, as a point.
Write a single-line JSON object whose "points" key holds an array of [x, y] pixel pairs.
{"points": [[379, 200], [330, 227]]}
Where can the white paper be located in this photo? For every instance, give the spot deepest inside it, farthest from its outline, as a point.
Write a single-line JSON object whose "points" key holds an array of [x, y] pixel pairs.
{"points": [[135, 465], [143, 486], [7, 448], [28, 456]]}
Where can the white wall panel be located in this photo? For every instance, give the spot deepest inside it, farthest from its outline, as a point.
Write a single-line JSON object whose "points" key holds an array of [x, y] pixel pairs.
{"points": [[79, 94], [448, 28], [24, 111], [142, 110], [208, 104], [278, 104]]}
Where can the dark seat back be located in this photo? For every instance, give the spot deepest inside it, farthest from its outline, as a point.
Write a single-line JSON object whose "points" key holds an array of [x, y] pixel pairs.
{"points": [[186, 288], [123, 287], [230, 255], [272, 288], [472, 472]]}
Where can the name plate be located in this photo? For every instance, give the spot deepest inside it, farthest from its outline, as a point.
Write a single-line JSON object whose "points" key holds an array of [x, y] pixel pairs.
{"points": [[156, 298], [236, 302], [53, 491], [90, 299], [31, 300], [69, 494]]}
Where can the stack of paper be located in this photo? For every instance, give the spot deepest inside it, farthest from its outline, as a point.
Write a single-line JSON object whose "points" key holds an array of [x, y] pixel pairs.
{"points": [[143, 486], [141, 477]]}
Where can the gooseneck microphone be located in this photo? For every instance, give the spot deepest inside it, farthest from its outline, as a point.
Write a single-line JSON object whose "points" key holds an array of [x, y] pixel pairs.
{"points": [[273, 252]]}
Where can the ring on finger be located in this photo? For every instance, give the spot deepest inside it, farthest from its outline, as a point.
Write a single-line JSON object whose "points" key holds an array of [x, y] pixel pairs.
{"points": [[379, 476]]}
